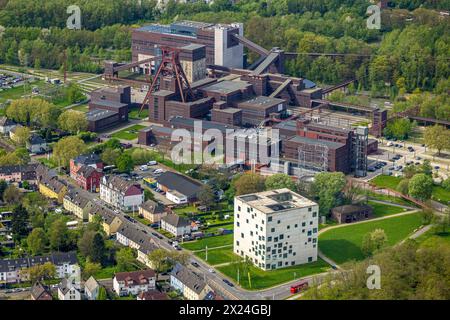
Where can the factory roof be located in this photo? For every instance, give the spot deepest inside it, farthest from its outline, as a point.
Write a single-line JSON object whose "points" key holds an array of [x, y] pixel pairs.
{"points": [[276, 200], [227, 87], [229, 110], [109, 103], [176, 122], [329, 144], [98, 114], [180, 183], [287, 125], [263, 101], [163, 93]]}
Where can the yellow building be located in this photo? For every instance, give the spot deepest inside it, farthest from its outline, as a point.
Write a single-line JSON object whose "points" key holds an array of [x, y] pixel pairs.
{"points": [[77, 204], [152, 211], [109, 220], [53, 188]]}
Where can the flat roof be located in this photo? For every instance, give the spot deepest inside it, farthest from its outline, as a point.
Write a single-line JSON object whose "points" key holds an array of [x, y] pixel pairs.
{"points": [[163, 93], [276, 201], [329, 144], [109, 103], [229, 110], [263, 101], [205, 124], [227, 86], [98, 114]]}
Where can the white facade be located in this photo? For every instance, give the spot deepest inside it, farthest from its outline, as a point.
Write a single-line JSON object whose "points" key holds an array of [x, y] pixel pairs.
{"points": [[119, 199], [175, 230], [276, 229], [228, 57], [121, 289], [176, 197]]}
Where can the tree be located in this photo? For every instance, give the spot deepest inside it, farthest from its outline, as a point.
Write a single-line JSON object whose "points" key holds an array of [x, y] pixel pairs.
{"points": [[328, 187], [19, 222], [58, 234], [206, 196], [249, 183], [124, 163], [280, 181], [90, 269], [421, 187], [158, 259], [102, 294], [22, 135], [98, 248], [73, 121], [182, 258], [403, 186], [374, 241], [68, 148], [3, 186], [91, 245], [23, 155], [437, 137], [37, 241], [443, 221], [41, 272], [109, 156], [125, 259], [12, 195], [399, 128]]}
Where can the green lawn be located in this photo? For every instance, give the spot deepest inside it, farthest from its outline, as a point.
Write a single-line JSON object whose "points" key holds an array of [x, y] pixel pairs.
{"points": [[106, 273], [441, 195], [81, 107], [265, 279], [434, 238], [385, 197], [137, 115], [344, 244], [130, 133], [211, 242], [383, 181], [383, 210], [217, 256]]}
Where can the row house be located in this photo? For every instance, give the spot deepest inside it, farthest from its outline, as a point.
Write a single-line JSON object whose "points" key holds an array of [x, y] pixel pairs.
{"points": [[19, 173], [86, 170], [12, 270], [152, 211], [126, 283], [110, 221], [121, 194], [192, 286], [53, 188], [77, 204]]}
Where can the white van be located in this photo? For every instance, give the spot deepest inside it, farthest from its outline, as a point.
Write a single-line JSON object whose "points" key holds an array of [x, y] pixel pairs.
{"points": [[152, 163], [144, 168], [158, 171]]}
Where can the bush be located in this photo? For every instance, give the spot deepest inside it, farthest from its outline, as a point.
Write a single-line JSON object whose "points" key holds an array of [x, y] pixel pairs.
{"points": [[446, 184]]}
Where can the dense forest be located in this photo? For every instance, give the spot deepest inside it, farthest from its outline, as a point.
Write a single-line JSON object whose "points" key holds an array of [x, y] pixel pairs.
{"points": [[412, 48]]}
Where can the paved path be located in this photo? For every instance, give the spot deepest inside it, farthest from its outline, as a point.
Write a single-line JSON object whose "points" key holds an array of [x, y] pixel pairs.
{"points": [[392, 204]]}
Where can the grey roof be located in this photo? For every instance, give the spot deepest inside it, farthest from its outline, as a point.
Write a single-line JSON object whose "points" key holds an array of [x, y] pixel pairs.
{"points": [[176, 122], [35, 139], [88, 159], [351, 208], [188, 278], [153, 207], [180, 183], [329, 144], [29, 168], [176, 221], [262, 101], [107, 215], [118, 183], [99, 114], [57, 259], [40, 292], [163, 93], [65, 286], [134, 234], [225, 87], [4, 121], [109, 103], [77, 198]]}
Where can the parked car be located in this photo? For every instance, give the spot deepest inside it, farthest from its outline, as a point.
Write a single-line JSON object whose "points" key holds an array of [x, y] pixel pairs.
{"points": [[152, 163], [195, 264], [228, 282]]}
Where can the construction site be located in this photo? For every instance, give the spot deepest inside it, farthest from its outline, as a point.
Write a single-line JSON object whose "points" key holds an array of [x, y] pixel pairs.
{"points": [[190, 71]]}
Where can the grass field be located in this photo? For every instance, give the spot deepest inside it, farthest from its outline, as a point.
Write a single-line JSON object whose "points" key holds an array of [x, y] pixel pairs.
{"points": [[81, 108], [265, 279], [434, 237], [130, 133], [217, 256], [439, 194], [135, 114], [383, 210], [212, 242], [344, 244]]}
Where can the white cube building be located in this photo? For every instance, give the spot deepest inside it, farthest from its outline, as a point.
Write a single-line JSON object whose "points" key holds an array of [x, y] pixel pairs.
{"points": [[276, 229]]}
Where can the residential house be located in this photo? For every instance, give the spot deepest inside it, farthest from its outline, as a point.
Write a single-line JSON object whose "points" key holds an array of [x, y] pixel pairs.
{"points": [[77, 204], [36, 144], [19, 173], [152, 211], [126, 283], [144, 250], [130, 236], [52, 188], [121, 194], [152, 295], [179, 189], [69, 290], [91, 288], [40, 292], [10, 269], [191, 285], [176, 225], [86, 170], [111, 222], [6, 125]]}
